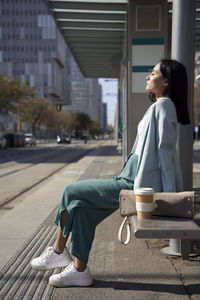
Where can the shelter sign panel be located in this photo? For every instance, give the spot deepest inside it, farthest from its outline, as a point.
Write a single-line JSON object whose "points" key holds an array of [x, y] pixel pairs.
{"points": [[148, 18], [145, 54]]}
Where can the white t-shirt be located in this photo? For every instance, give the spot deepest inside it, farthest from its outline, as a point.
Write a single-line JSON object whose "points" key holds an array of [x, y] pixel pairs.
{"points": [[142, 129]]}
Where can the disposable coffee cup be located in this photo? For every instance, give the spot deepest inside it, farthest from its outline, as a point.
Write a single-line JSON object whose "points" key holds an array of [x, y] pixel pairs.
{"points": [[144, 202]]}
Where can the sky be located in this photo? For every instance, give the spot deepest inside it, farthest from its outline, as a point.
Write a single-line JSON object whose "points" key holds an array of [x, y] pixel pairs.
{"points": [[109, 86]]}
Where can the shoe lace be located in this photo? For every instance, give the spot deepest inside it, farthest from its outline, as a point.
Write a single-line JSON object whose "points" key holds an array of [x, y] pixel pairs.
{"points": [[69, 269], [46, 253]]}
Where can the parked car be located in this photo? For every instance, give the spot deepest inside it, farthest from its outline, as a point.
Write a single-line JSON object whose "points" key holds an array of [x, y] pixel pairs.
{"points": [[64, 138], [3, 142], [19, 140], [10, 139], [30, 139]]}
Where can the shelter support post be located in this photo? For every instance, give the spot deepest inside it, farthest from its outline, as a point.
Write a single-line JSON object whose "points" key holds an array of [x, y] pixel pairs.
{"points": [[183, 33]]}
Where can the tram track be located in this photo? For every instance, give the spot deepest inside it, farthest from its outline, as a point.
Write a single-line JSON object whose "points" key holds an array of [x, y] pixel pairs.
{"points": [[75, 154], [43, 158]]}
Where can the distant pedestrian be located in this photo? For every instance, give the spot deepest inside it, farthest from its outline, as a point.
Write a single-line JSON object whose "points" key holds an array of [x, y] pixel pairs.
{"points": [[196, 131], [153, 162]]}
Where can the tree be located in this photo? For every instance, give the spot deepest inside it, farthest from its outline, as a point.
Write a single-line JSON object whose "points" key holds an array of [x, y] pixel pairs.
{"points": [[50, 117], [12, 91], [95, 129], [66, 120], [35, 111], [82, 121]]}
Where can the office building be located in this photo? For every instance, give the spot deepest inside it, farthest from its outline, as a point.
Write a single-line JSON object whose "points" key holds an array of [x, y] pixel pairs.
{"points": [[33, 50], [84, 93]]}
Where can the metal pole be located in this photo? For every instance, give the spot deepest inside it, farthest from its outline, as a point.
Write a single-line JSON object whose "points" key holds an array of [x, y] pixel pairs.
{"points": [[183, 31], [125, 135]]}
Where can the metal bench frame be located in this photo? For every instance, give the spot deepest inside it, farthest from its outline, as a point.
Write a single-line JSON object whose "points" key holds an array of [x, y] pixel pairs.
{"points": [[185, 231]]}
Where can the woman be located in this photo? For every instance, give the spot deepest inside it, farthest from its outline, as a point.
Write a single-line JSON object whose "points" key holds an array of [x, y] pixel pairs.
{"points": [[153, 162]]}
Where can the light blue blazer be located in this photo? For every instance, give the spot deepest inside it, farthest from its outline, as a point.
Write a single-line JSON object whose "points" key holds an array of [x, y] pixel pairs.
{"points": [[158, 163]]}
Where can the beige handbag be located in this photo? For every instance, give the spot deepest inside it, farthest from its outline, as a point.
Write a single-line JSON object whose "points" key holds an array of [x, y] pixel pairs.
{"points": [[164, 204]]}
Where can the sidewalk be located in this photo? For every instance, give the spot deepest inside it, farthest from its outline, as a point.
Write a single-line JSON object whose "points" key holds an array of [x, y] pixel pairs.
{"points": [[136, 271]]}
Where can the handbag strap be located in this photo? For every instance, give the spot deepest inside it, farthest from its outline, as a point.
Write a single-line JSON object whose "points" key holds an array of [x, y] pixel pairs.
{"points": [[126, 222]]}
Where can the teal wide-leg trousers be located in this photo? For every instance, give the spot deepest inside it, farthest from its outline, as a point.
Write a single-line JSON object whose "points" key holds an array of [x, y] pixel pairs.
{"points": [[87, 203]]}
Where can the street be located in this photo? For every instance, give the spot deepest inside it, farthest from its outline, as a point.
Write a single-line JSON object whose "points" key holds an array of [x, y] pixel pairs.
{"points": [[22, 169]]}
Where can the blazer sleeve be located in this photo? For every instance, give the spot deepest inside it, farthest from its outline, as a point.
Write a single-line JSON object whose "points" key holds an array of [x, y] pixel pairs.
{"points": [[166, 138]]}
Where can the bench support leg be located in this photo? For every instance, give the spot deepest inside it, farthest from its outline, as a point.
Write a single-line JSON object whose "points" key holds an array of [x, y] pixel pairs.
{"points": [[179, 247], [186, 247]]}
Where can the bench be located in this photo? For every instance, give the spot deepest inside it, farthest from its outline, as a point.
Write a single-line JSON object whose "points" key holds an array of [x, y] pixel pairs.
{"points": [[181, 231]]}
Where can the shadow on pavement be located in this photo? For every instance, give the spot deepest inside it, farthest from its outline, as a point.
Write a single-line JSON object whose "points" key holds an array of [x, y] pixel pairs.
{"points": [[36, 155], [153, 287]]}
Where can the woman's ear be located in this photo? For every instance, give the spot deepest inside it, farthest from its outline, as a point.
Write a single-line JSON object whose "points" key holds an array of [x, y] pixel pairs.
{"points": [[165, 82]]}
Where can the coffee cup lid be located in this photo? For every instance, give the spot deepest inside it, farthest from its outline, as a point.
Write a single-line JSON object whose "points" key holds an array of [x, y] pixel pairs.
{"points": [[144, 191]]}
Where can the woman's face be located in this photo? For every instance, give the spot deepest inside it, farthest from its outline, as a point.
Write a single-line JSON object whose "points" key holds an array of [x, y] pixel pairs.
{"points": [[155, 83]]}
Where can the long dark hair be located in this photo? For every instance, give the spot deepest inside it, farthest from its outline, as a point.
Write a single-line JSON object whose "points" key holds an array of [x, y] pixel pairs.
{"points": [[177, 88]]}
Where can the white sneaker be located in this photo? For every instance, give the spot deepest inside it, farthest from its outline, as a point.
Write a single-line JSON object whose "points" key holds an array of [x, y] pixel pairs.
{"points": [[71, 277], [49, 259]]}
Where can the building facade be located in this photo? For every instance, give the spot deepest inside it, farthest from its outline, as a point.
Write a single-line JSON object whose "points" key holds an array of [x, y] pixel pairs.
{"points": [[84, 93], [33, 50]]}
